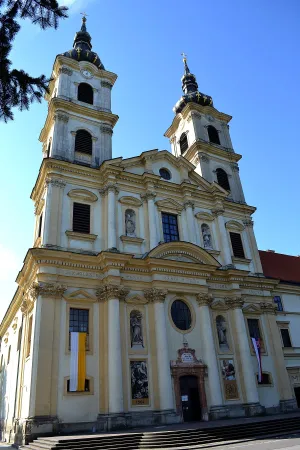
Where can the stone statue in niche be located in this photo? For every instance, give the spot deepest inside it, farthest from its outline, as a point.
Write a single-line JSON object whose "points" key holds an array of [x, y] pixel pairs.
{"points": [[206, 235], [136, 332], [130, 223], [222, 332]]}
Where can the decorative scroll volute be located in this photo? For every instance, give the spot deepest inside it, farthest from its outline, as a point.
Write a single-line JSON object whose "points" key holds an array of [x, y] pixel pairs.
{"points": [[204, 299], [109, 291], [155, 295]]}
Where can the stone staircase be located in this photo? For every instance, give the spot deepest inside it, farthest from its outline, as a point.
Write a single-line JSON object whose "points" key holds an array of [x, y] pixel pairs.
{"points": [[177, 439]]}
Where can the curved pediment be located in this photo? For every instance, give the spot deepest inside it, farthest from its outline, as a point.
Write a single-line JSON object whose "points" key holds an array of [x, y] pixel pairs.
{"points": [[82, 194], [183, 251], [128, 200], [234, 225]]}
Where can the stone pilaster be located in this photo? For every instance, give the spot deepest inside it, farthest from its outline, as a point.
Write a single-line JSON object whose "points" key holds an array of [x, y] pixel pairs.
{"points": [[150, 197]]}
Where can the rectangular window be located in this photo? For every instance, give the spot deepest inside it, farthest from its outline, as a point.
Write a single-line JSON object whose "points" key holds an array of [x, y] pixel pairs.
{"points": [[278, 303], [285, 335], [79, 322], [253, 326], [29, 334], [40, 225], [86, 386], [81, 217], [237, 245], [170, 227], [265, 379]]}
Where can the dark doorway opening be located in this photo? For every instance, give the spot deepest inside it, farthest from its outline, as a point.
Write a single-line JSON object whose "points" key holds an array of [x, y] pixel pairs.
{"points": [[297, 395], [190, 401]]}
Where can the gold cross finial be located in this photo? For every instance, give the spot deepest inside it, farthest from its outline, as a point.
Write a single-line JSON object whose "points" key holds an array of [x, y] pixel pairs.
{"points": [[184, 56], [84, 16]]}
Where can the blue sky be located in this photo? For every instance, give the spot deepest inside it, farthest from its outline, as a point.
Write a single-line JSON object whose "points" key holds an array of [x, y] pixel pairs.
{"points": [[245, 54]]}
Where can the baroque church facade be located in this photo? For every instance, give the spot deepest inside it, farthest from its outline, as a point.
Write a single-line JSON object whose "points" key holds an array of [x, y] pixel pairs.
{"points": [[154, 258]]}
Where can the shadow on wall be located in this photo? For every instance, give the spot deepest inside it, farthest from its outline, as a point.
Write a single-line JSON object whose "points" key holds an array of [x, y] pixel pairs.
{"points": [[3, 402]]}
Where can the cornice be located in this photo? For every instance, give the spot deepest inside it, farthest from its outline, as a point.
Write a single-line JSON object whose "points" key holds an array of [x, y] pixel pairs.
{"points": [[189, 108], [201, 146], [60, 105]]}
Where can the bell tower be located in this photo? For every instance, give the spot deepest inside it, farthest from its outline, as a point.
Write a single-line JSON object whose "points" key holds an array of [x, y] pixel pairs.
{"points": [[200, 133], [79, 124]]}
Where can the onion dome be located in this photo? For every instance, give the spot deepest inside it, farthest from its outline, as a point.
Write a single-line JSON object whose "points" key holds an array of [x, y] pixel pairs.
{"points": [[190, 91], [82, 46]]}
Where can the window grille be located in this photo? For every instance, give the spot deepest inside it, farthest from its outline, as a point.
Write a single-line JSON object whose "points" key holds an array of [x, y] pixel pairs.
{"points": [[213, 135], [81, 217], [83, 142], [79, 322], [85, 93], [170, 227], [237, 245], [181, 315], [222, 178]]}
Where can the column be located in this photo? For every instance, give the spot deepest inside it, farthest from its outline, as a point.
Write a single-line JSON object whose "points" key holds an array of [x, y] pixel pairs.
{"points": [[287, 401], [225, 247], [163, 360], [205, 169], [150, 196], [253, 245], [111, 216], [104, 151], [239, 190], [243, 348], [53, 211], [189, 207], [209, 352], [113, 294]]}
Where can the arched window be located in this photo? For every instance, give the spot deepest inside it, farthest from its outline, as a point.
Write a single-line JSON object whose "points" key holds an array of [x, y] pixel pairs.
{"points": [[136, 329], [85, 93], [213, 135], [49, 147], [130, 222], [222, 178], [83, 142], [183, 142], [206, 236]]}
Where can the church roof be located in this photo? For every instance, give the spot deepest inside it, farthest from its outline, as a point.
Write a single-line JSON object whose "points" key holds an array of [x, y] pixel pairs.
{"points": [[190, 91], [280, 266], [82, 47]]}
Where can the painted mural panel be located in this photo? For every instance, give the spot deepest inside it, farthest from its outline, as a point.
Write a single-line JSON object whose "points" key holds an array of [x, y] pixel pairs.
{"points": [[229, 379], [139, 383]]}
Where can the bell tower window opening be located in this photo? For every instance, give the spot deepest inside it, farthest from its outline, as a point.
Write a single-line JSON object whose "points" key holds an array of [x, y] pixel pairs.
{"points": [[83, 142], [49, 148], [222, 178], [213, 135], [85, 93], [40, 225], [183, 143], [81, 218], [237, 245]]}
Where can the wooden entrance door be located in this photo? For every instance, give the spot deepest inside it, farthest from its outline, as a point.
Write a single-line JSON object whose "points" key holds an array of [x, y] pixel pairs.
{"points": [[190, 400]]}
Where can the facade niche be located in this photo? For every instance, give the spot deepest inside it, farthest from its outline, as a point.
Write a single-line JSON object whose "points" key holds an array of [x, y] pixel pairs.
{"points": [[206, 236], [130, 223], [222, 332], [136, 330]]}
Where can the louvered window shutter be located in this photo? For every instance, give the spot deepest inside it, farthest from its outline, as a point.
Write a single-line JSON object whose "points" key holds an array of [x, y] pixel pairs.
{"points": [[83, 142], [237, 245], [183, 142], [222, 178], [81, 217]]}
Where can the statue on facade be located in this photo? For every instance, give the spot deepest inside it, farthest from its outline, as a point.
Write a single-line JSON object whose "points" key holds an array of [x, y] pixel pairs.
{"points": [[206, 235], [136, 333], [130, 223], [222, 331]]}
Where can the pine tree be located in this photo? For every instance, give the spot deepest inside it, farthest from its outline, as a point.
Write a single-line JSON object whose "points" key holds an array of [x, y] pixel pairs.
{"points": [[18, 88]]}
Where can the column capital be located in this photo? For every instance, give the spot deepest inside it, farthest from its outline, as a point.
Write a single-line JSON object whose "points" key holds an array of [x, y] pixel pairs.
{"points": [[55, 182], [46, 289], [155, 295], [217, 212], [267, 308], [203, 157], [62, 117], [106, 129], [248, 223], [26, 306], [234, 166], [204, 299], [109, 187], [234, 302], [111, 291], [149, 195], [106, 84], [188, 204], [66, 71]]}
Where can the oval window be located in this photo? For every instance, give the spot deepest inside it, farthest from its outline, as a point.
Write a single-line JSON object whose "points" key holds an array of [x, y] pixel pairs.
{"points": [[165, 174], [181, 315]]}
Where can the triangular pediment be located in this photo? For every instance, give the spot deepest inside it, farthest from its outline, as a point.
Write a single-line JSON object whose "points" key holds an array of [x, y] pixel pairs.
{"points": [[219, 305], [80, 295], [183, 252], [252, 308], [169, 204]]}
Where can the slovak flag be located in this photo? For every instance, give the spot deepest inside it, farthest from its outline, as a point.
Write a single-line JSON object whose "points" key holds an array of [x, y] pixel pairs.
{"points": [[257, 348]]}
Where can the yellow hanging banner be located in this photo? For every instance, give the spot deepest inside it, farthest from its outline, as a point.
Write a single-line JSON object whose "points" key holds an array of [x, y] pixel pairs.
{"points": [[81, 362]]}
